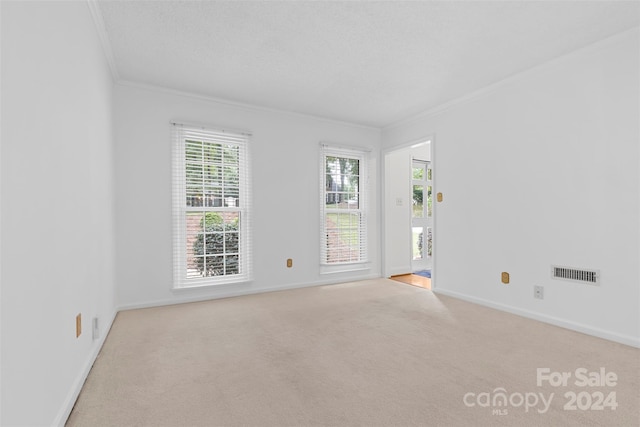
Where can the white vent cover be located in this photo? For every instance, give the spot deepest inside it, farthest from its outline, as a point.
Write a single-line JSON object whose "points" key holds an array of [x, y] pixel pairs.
{"points": [[591, 277]]}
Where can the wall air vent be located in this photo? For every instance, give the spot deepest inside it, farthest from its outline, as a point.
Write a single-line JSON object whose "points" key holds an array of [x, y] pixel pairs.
{"points": [[591, 277]]}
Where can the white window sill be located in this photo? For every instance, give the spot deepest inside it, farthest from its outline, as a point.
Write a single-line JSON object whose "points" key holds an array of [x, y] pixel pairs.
{"points": [[204, 283], [344, 268]]}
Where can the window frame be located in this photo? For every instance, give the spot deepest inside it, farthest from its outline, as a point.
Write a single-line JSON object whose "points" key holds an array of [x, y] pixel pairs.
{"points": [[362, 209], [181, 133]]}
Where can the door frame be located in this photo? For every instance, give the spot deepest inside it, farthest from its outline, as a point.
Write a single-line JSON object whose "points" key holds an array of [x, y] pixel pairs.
{"points": [[385, 203]]}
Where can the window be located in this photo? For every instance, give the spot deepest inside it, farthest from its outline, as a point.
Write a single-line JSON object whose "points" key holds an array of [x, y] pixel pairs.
{"points": [[211, 207], [343, 206]]}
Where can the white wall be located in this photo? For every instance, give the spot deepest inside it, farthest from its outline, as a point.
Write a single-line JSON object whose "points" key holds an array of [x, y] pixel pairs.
{"points": [[285, 153], [398, 207], [57, 231], [543, 169]]}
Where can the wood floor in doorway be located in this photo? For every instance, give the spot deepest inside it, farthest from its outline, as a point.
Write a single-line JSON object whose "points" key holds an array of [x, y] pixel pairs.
{"points": [[413, 279]]}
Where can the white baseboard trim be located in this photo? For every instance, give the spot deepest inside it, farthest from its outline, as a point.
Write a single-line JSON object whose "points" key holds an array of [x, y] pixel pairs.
{"points": [[73, 394], [240, 292], [556, 321]]}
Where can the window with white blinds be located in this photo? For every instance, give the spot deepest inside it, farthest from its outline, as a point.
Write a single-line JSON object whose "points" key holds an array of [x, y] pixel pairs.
{"points": [[344, 174], [211, 207]]}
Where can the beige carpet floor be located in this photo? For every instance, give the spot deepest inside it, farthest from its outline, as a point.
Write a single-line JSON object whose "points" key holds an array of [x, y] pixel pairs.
{"points": [[370, 353]]}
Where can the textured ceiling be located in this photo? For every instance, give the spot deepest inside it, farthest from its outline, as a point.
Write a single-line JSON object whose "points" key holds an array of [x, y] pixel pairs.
{"points": [[370, 63]]}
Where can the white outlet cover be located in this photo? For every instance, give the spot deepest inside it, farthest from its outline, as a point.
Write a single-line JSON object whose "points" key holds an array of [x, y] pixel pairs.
{"points": [[95, 329]]}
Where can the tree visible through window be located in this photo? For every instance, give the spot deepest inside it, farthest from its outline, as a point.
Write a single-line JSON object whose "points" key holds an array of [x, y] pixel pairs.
{"points": [[210, 207], [212, 183], [344, 225]]}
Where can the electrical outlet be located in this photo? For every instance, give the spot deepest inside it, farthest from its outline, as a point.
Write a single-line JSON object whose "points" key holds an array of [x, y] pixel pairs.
{"points": [[78, 325], [289, 263], [538, 292], [96, 328]]}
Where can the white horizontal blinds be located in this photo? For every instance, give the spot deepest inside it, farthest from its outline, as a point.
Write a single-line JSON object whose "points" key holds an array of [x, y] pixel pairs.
{"points": [[178, 196], [344, 174], [212, 206]]}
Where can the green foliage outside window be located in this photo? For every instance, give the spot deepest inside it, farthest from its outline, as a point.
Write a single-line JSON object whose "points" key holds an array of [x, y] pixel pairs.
{"points": [[219, 244]]}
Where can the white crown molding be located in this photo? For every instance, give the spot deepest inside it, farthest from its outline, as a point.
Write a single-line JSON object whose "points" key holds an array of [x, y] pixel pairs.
{"points": [[508, 80], [240, 105], [96, 14]]}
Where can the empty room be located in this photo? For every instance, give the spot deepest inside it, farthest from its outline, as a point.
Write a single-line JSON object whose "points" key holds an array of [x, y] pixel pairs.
{"points": [[319, 213]]}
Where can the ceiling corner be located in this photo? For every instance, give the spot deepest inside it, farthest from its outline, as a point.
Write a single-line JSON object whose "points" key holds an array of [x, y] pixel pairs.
{"points": [[101, 29]]}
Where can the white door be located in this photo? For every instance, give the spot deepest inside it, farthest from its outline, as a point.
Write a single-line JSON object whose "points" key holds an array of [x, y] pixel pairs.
{"points": [[421, 216]]}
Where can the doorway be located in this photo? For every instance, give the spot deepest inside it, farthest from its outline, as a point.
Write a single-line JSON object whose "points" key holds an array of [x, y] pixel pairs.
{"points": [[409, 212], [421, 217]]}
